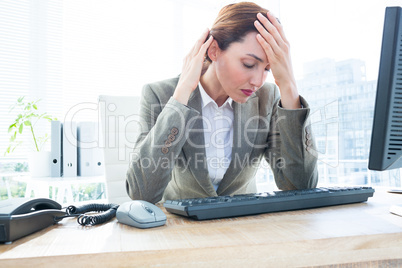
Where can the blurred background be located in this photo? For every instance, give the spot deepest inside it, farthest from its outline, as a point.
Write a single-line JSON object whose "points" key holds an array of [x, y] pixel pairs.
{"points": [[67, 53]]}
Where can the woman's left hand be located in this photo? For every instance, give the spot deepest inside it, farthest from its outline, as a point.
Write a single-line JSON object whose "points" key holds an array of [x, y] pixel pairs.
{"points": [[272, 39]]}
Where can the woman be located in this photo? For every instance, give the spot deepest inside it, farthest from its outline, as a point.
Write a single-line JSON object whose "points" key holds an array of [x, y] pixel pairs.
{"points": [[205, 132]]}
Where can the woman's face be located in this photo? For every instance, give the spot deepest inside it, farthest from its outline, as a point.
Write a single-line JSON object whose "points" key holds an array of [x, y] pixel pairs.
{"points": [[242, 68]]}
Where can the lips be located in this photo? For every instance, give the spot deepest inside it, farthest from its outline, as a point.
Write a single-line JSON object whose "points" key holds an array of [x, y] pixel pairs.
{"points": [[247, 92]]}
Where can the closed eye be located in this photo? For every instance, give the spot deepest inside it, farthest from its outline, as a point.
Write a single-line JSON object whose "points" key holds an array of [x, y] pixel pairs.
{"points": [[248, 66], [252, 66]]}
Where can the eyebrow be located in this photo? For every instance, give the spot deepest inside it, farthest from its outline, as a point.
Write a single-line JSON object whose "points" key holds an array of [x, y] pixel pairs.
{"points": [[254, 56]]}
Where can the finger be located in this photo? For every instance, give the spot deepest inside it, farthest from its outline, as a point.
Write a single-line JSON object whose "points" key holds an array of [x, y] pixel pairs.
{"points": [[267, 36], [205, 46], [199, 42], [275, 21], [269, 28], [267, 48]]}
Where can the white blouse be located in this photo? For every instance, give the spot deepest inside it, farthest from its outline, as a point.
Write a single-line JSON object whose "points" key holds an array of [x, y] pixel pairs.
{"points": [[218, 135]]}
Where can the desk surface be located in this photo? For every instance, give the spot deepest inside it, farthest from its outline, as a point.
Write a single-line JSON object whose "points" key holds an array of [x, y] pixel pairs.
{"points": [[360, 234]]}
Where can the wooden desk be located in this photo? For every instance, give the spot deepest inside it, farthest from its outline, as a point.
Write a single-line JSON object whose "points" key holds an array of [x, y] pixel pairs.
{"points": [[363, 234]]}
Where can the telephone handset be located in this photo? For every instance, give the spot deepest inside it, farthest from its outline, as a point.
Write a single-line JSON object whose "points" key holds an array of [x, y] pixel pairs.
{"points": [[23, 216]]}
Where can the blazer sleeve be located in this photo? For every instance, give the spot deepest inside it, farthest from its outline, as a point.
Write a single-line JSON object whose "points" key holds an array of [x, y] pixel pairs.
{"points": [[163, 134], [291, 150]]}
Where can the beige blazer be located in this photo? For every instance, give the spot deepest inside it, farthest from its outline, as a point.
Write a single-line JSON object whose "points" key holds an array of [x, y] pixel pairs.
{"points": [[168, 160]]}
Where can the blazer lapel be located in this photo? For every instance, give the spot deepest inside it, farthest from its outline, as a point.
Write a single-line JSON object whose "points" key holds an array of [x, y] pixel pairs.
{"points": [[194, 148], [245, 127]]}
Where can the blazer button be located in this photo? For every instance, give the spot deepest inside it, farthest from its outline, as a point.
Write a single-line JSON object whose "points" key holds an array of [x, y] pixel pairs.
{"points": [[165, 150], [308, 136], [308, 130], [171, 137], [308, 143], [168, 143], [174, 131]]}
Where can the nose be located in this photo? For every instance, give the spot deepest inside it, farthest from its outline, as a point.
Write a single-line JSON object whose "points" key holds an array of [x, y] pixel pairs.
{"points": [[258, 79]]}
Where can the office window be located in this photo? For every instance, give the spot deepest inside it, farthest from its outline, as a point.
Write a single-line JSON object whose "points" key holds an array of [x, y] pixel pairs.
{"points": [[338, 42]]}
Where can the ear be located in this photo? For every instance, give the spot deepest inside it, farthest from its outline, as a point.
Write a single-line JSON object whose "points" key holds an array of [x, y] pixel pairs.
{"points": [[213, 50]]}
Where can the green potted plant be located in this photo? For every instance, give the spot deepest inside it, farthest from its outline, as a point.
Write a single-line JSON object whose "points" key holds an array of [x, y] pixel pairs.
{"points": [[27, 119]]}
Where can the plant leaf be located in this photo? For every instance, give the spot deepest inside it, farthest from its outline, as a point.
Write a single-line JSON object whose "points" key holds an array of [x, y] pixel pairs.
{"points": [[28, 116], [7, 150], [13, 137], [31, 115], [10, 128]]}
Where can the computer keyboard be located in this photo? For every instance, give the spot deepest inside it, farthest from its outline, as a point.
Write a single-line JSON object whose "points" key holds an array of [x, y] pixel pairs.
{"points": [[249, 204]]}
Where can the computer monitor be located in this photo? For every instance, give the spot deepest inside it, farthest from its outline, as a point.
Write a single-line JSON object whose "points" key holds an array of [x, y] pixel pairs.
{"points": [[386, 137]]}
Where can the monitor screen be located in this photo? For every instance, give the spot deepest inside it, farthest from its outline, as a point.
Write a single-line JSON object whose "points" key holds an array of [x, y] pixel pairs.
{"points": [[386, 137]]}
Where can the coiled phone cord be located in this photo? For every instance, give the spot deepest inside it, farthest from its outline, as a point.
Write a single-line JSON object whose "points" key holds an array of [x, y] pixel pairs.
{"points": [[109, 212]]}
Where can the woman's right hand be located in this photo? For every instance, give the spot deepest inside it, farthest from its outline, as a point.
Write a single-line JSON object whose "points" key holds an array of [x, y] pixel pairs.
{"points": [[192, 67]]}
